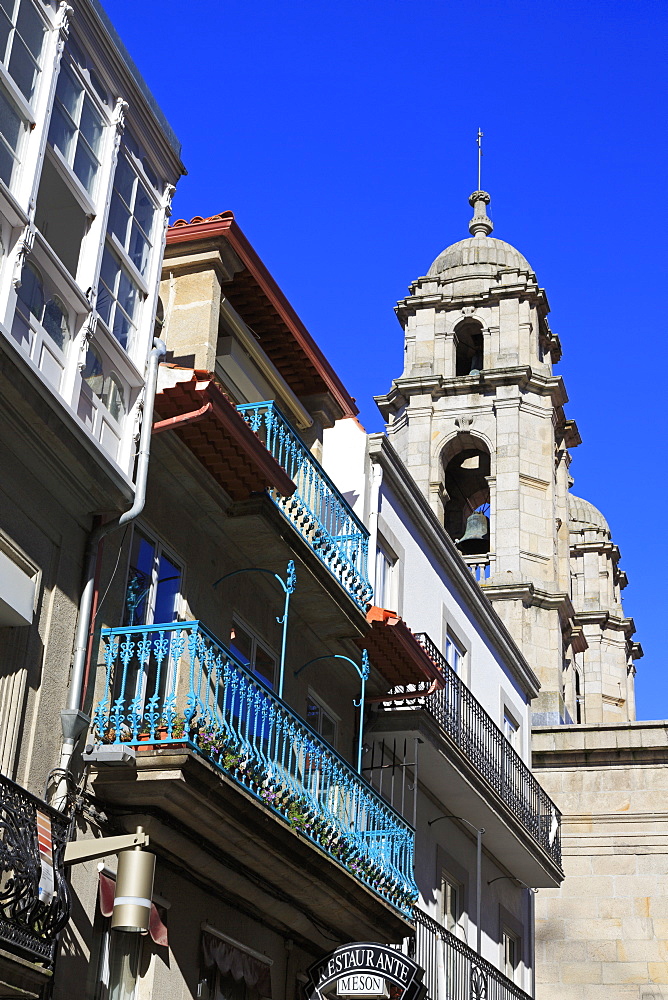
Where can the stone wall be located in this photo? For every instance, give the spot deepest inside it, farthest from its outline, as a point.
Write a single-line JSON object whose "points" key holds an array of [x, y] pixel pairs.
{"points": [[604, 934]]}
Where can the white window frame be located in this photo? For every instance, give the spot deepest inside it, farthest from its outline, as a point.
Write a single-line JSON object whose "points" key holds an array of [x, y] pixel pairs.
{"points": [[455, 653], [511, 937], [450, 920], [43, 15], [511, 728], [87, 199], [159, 550], [256, 640], [335, 719], [386, 576], [40, 341]]}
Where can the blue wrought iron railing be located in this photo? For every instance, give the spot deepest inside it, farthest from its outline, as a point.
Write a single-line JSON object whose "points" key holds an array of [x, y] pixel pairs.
{"points": [[177, 683], [316, 509]]}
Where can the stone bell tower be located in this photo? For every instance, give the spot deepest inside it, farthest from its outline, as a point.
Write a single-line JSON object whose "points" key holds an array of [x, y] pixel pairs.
{"points": [[478, 418]]}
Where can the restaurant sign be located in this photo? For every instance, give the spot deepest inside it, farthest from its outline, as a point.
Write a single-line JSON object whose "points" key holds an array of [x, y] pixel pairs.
{"points": [[368, 970]]}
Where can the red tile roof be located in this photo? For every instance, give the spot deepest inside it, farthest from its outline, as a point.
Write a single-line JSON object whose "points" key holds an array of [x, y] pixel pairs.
{"points": [[265, 309], [396, 653], [219, 437]]}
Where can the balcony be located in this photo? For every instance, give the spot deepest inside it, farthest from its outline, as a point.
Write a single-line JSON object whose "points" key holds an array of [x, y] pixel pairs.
{"points": [[175, 688], [453, 971], [316, 509], [34, 896], [473, 768]]}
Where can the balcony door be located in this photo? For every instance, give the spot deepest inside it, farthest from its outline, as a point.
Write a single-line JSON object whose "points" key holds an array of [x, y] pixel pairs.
{"points": [[152, 598]]}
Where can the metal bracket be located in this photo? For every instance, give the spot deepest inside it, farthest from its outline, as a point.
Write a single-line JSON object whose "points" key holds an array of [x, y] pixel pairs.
{"points": [[87, 850]]}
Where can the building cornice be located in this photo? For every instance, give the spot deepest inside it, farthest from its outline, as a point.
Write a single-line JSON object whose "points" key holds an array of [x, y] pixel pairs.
{"points": [[403, 484]]}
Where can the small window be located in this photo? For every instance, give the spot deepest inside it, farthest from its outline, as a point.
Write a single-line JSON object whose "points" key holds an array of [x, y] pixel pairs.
{"points": [[76, 127], [454, 654], [252, 652], [50, 313], [106, 385], [118, 299], [12, 130], [451, 892], [321, 719], [385, 583], [510, 944], [511, 728], [132, 212], [22, 31]]}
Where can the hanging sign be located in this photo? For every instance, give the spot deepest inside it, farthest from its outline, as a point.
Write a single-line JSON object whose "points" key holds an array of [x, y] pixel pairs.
{"points": [[47, 885], [362, 985], [365, 969]]}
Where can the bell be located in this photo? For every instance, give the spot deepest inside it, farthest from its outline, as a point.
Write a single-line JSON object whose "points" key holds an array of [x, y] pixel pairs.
{"points": [[476, 537]]}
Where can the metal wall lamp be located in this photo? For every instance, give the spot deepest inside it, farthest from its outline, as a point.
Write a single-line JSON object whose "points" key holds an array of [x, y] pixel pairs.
{"points": [[478, 872], [363, 672], [288, 586], [134, 878]]}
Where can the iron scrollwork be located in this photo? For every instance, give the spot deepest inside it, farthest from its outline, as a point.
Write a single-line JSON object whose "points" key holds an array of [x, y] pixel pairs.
{"points": [[478, 983], [26, 923]]}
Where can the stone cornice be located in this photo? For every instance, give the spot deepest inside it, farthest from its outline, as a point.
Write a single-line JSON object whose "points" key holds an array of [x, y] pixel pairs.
{"points": [[602, 547], [580, 745], [403, 484], [606, 620], [531, 596], [447, 297]]}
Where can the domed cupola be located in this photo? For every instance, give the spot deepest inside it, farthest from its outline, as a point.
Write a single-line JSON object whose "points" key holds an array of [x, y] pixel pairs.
{"points": [[480, 254]]}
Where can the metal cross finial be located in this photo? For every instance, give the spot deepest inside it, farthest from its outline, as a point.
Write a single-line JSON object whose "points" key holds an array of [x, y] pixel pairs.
{"points": [[480, 135]]}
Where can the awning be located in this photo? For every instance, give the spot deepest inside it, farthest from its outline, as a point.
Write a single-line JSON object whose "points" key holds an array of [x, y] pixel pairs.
{"points": [[196, 409], [396, 653], [231, 961], [158, 922]]}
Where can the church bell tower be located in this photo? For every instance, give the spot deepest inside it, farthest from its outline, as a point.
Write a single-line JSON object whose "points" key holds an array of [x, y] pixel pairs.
{"points": [[478, 419]]}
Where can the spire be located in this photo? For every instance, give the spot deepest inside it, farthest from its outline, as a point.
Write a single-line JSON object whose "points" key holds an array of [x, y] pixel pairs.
{"points": [[480, 224]]}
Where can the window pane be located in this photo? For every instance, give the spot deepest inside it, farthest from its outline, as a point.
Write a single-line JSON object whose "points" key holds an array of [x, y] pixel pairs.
{"points": [[61, 132], [140, 577], [119, 217], [127, 294], [328, 728], [68, 91], [10, 123], [122, 329], [31, 28], [31, 292], [124, 179], [55, 322], [5, 28], [144, 210], [313, 714], [264, 665], [22, 69], [90, 124], [112, 397], [138, 249], [168, 590], [92, 373], [85, 166]]}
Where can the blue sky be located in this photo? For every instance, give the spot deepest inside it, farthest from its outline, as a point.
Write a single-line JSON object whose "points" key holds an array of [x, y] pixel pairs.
{"points": [[342, 135]]}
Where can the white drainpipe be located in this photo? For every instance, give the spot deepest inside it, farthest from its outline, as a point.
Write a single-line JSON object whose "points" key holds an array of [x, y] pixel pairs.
{"points": [[73, 720]]}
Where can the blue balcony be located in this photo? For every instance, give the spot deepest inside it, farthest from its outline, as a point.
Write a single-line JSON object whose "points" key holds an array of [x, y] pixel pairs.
{"points": [[177, 684], [316, 509]]}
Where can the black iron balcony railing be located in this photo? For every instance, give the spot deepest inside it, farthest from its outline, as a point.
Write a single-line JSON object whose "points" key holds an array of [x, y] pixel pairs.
{"points": [[34, 896], [469, 726], [453, 971]]}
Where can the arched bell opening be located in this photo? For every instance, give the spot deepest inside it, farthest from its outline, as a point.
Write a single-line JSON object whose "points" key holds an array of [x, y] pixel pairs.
{"points": [[467, 500], [468, 347]]}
